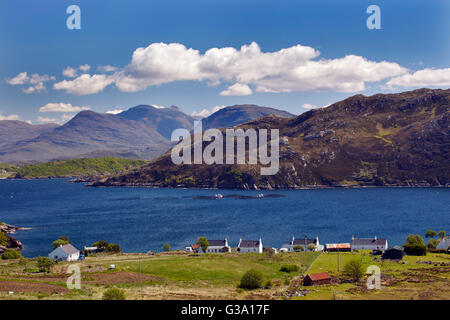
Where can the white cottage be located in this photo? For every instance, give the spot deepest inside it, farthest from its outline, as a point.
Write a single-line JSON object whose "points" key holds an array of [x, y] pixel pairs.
{"points": [[216, 246], [65, 252], [250, 246], [444, 244], [304, 243], [369, 243]]}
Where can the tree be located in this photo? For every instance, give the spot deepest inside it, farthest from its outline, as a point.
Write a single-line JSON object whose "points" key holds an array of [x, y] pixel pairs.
{"points": [[354, 269], [441, 234], [252, 279], [11, 254], [298, 248], [3, 239], [45, 264], [311, 247], [415, 245], [114, 294], [60, 242], [113, 248], [166, 247], [101, 244], [432, 244], [430, 234], [203, 243]]}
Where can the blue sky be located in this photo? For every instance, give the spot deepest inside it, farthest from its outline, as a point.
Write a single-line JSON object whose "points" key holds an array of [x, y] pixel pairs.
{"points": [[34, 39]]}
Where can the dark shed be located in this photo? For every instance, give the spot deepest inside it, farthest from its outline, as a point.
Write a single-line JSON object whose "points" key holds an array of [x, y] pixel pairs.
{"points": [[394, 253]]}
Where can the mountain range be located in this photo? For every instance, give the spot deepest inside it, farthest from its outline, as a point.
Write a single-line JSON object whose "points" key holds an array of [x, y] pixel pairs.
{"points": [[400, 139], [141, 132]]}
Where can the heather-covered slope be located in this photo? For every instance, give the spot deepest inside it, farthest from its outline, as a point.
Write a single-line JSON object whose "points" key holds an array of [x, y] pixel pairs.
{"points": [[383, 140]]}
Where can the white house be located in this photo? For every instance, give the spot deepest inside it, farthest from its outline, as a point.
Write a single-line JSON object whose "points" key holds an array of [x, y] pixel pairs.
{"points": [[216, 246], [369, 243], [304, 242], [65, 252], [444, 244], [250, 246]]}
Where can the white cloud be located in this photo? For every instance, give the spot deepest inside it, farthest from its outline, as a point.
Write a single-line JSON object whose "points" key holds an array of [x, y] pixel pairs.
{"points": [[158, 107], [85, 68], [423, 78], [10, 117], [115, 111], [21, 78], [47, 120], [311, 106], [61, 107], [296, 68], [237, 89], [84, 84], [35, 81], [70, 72], [107, 68], [205, 112]]}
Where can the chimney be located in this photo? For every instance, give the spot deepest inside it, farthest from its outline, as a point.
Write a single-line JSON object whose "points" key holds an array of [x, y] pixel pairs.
{"points": [[375, 238], [353, 238]]}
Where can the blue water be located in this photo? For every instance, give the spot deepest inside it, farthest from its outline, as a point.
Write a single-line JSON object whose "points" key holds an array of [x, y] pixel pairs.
{"points": [[142, 219]]}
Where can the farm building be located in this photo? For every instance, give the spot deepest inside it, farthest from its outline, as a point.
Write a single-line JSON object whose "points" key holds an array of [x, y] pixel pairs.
{"points": [[250, 246], [65, 252], [316, 279], [394, 253], [369, 243], [338, 247], [304, 242]]}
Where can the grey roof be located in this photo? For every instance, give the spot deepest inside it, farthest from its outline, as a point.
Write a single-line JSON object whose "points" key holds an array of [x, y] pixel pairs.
{"points": [[303, 242], [69, 249], [249, 243], [217, 243], [396, 248], [369, 241]]}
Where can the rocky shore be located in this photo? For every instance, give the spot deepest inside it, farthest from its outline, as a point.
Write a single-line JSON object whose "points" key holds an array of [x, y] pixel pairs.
{"points": [[13, 243]]}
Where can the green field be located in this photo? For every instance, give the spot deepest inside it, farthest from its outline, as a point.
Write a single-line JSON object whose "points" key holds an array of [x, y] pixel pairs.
{"points": [[177, 275], [71, 168]]}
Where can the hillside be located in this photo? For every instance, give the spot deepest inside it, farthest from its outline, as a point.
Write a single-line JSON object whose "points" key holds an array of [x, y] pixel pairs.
{"points": [[142, 132], [383, 140], [238, 114], [76, 168], [12, 131]]}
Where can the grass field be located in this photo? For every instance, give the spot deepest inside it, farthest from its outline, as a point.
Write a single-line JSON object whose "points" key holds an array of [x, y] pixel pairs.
{"points": [[216, 276]]}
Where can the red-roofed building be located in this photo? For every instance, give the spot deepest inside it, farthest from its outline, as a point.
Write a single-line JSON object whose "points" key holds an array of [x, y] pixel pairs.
{"points": [[316, 279]]}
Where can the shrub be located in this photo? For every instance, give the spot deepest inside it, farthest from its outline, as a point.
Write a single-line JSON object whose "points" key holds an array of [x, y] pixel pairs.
{"points": [[113, 248], [289, 268], [441, 234], [432, 244], [60, 242], [311, 247], [45, 264], [3, 239], [114, 294], [203, 243], [252, 279], [430, 234], [166, 247], [354, 269], [298, 248], [415, 246], [100, 244], [11, 254]]}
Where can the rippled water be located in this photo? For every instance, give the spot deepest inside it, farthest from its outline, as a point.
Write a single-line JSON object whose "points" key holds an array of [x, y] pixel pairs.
{"points": [[141, 219]]}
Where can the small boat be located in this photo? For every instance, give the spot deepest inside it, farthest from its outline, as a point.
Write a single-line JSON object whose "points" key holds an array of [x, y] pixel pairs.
{"points": [[217, 196]]}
